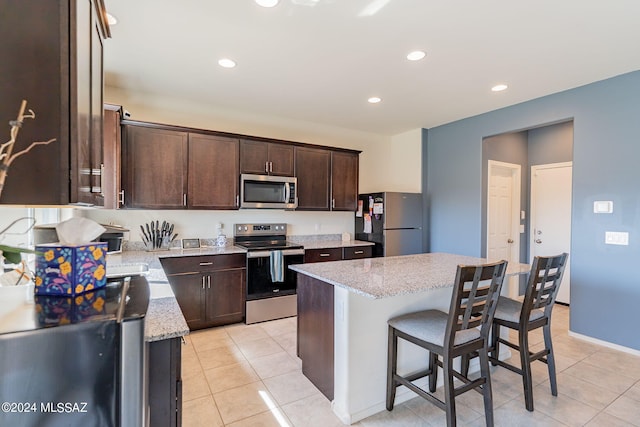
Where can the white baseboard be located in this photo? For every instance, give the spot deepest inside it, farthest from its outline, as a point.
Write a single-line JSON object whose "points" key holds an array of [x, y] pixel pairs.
{"points": [[605, 343]]}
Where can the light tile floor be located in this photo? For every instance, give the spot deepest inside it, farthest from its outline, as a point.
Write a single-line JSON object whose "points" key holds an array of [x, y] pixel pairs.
{"points": [[249, 375]]}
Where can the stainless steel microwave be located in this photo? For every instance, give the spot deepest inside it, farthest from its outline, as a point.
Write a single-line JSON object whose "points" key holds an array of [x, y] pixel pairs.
{"points": [[268, 192]]}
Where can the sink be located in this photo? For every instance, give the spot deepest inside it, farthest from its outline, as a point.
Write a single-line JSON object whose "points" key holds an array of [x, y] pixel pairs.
{"points": [[123, 270]]}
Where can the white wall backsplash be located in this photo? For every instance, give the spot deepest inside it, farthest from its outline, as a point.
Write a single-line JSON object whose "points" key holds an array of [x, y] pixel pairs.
{"points": [[202, 224]]}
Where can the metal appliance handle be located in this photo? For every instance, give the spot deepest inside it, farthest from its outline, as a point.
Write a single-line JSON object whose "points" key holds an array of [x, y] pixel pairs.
{"points": [[266, 254], [287, 192]]}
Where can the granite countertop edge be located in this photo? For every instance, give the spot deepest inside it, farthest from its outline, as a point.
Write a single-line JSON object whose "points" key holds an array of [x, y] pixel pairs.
{"points": [[388, 277]]}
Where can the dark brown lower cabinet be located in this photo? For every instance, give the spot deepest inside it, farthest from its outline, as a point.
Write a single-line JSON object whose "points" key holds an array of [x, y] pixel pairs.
{"points": [[337, 254], [210, 290], [165, 383]]}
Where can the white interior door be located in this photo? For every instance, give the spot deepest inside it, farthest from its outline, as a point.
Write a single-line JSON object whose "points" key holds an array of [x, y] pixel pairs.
{"points": [[551, 216], [503, 215]]}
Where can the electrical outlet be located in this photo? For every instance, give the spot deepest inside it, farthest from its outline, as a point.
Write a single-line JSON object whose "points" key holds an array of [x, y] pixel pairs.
{"points": [[616, 238]]}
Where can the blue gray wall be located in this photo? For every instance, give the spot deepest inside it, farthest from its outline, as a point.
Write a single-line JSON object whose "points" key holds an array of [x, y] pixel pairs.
{"points": [[606, 156]]}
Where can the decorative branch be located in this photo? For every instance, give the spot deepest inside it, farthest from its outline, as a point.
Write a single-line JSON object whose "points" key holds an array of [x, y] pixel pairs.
{"points": [[26, 150], [6, 149]]}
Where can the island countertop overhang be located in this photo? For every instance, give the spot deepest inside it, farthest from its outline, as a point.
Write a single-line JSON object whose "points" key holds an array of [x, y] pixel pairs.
{"points": [[399, 275]]}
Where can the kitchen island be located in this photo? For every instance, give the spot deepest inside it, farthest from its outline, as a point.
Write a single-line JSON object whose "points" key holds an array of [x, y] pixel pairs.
{"points": [[343, 308]]}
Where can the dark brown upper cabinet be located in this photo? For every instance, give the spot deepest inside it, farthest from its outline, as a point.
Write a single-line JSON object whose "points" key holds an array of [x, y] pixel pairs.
{"points": [[344, 181], [266, 158], [112, 152], [52, 57], [327, 180], [155, 166], [167, 168], [313, 169], [213, 172]]}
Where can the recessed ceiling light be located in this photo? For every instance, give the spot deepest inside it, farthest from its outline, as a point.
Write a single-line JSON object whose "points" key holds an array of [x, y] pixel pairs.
{"points": [[416, 55], [499, 88], [111, 19], [374, 100], [227, 63], [267, 3]]}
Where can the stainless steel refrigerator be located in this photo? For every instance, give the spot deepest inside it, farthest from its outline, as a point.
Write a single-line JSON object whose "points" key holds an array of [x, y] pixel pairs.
{"points": [[392, 220]]}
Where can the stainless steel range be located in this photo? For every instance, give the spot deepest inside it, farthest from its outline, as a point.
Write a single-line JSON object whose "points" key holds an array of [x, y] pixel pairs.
{"points": [[271, 286]]}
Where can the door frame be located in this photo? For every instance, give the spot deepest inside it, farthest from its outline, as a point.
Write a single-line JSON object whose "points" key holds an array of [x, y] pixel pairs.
{"points": [[516, 173]]}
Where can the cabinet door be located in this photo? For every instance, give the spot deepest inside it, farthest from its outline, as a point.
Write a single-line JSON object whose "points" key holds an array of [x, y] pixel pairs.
{"points": [[81, 94], [225, 300], [112, 154], [97, 118], [254, 157], [344, 181], [313, 168], [165, 383], [189, 291], [155, 166], [281, 159], [266, 158], [213, 172]]}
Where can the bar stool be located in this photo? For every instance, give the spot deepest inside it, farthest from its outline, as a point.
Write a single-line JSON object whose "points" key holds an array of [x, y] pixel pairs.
{"points": [[464, 330], [533, 313]]}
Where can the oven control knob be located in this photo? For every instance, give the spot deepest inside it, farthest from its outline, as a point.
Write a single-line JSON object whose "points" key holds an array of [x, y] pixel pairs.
{"points": [[246, 228]]}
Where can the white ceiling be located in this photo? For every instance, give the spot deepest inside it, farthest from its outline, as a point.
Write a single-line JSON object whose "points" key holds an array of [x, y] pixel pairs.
{"points": [[319, 60]]}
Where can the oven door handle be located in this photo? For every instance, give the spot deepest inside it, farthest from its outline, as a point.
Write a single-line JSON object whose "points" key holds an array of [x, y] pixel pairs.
{"points": [[266, 254]]}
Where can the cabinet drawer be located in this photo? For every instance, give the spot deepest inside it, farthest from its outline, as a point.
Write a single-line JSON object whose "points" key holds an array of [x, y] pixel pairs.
{"points": [[355, 252], [200, 263], [321, 255]]}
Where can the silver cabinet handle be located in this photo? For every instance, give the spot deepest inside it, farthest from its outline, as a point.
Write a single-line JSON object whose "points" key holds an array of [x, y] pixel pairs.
{"points": [[270, 166], [266, 167], [202, 282], [358, 252], [237, 200], [184, 199], [325, 254], [206, 263], [208, 282], [121, 200], [333, 203]]}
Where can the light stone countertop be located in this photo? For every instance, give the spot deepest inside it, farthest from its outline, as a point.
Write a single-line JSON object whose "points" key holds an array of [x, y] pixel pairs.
{"points": [[399, 275], [164, 318]]}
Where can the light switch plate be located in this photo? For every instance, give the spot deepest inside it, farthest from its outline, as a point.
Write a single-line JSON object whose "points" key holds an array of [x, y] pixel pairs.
{"points": [[616, 238], [603, 206]]}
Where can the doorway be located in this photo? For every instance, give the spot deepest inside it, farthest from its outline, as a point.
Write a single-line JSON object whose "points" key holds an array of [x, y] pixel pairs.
{"points": [[551, 216], [537, 146]]}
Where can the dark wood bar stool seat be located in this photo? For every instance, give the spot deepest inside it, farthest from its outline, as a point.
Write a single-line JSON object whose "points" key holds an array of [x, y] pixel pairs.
{"points": [[524, 316], [464, 330]]}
